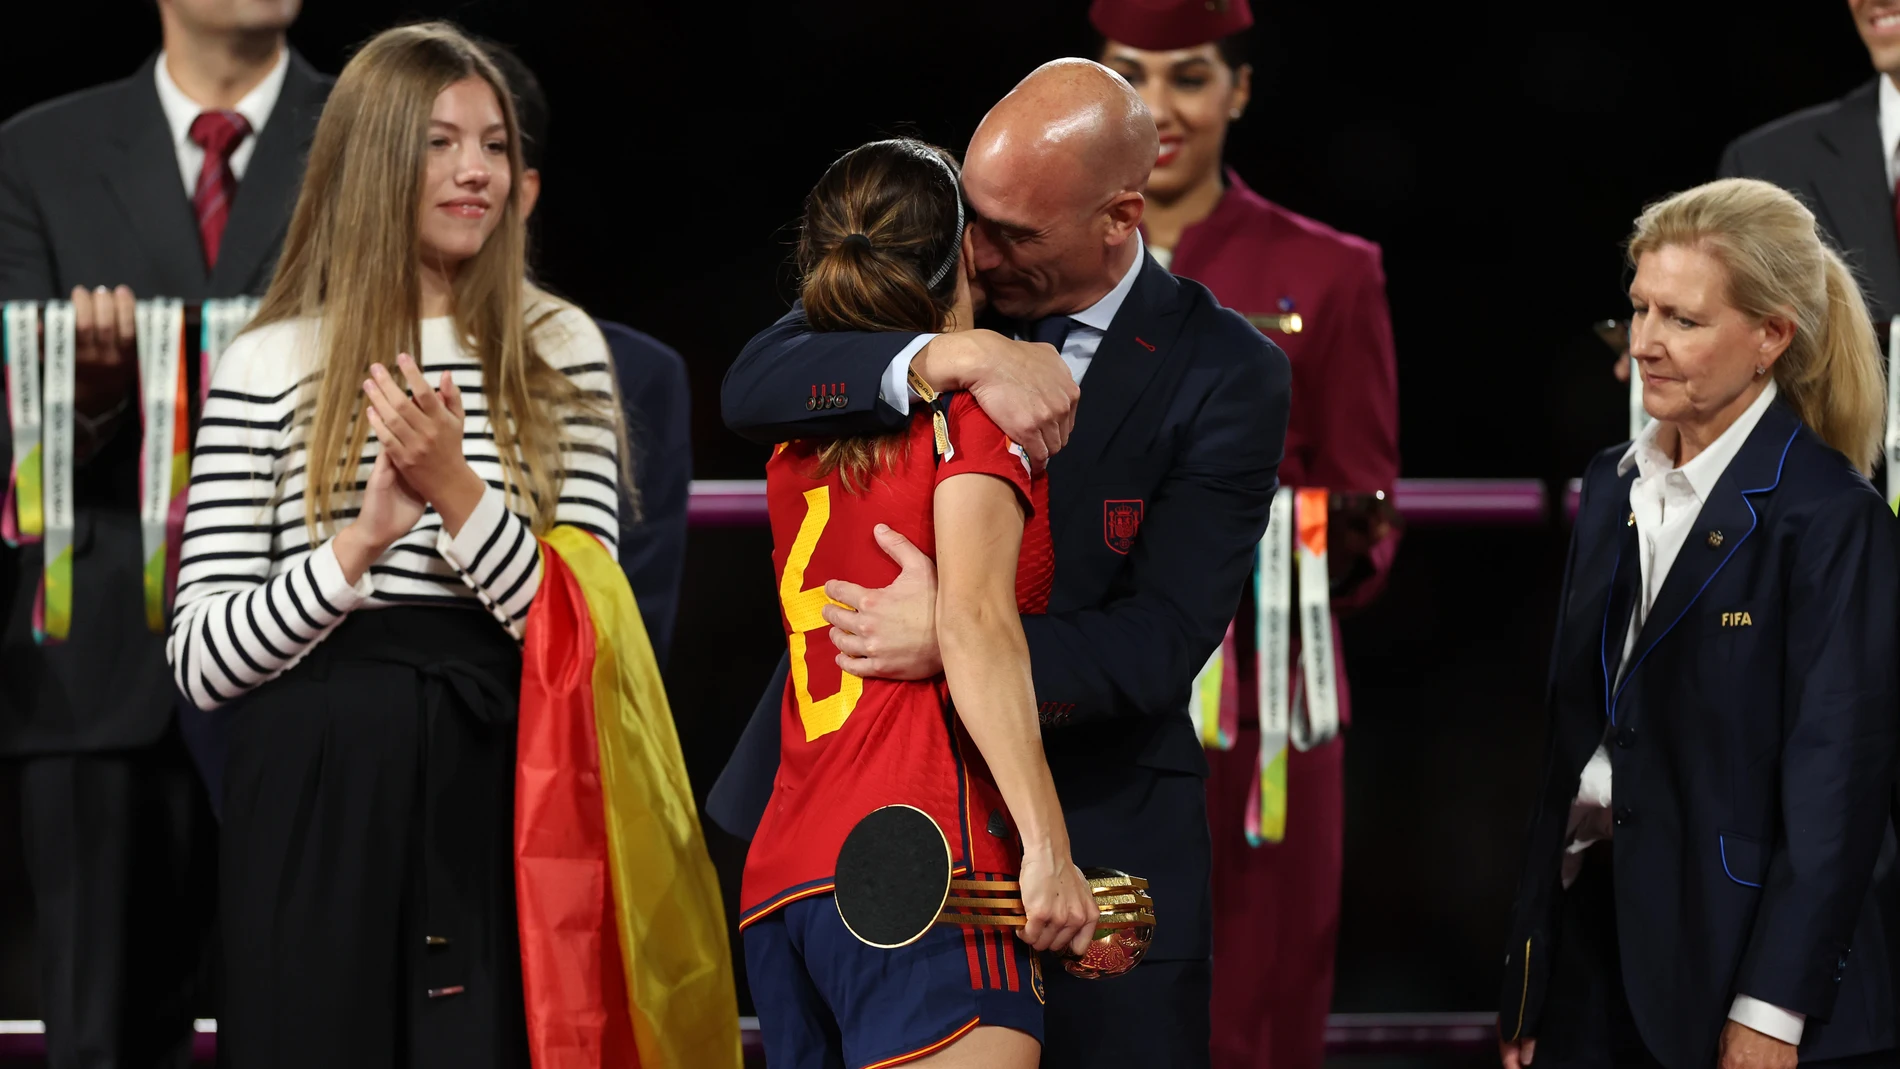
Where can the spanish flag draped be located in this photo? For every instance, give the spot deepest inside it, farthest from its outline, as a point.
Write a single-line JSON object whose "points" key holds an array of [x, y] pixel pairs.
{"points": [[623, 937]]}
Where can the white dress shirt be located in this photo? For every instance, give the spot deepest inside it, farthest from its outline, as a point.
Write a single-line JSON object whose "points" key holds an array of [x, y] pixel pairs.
{"points": [[1890, 128], [1666, 501], [1078, 351], [181, 111]]}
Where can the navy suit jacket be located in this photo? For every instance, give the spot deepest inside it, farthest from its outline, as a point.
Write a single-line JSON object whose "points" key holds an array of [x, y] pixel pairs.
{"points": [[1753, 742], [1179, 435], [658, 406]]}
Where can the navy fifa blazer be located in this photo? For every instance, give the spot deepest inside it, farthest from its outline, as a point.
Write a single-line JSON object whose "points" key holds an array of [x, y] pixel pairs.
{"points": [[1155, 508], [1753, 742]]}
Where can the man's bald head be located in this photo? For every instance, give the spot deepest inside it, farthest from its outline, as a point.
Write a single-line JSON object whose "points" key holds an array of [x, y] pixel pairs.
{"points": [[1055, 173], [1074, 119]]}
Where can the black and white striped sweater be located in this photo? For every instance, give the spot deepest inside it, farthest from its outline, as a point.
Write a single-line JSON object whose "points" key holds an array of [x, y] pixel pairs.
{"points": [[254, 597]]}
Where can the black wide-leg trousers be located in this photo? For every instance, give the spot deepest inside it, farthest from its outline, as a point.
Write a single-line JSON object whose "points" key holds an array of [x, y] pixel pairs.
{"points": [[366, 859]]}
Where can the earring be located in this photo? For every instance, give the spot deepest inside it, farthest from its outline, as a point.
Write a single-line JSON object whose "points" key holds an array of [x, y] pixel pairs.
{"points": [[1759, 370], [1234, 114]]}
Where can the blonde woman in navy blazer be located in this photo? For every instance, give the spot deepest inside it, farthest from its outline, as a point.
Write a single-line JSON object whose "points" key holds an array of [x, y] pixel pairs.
{"points": [[1724, 700]]}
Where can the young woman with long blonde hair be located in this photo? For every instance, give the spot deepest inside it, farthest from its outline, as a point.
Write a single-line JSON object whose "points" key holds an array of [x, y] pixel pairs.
{"points": [[390, 434]]}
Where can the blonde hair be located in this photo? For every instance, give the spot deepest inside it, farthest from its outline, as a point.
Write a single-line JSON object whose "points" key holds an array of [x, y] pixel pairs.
{"points": [[352, 256], [1779, 264]]}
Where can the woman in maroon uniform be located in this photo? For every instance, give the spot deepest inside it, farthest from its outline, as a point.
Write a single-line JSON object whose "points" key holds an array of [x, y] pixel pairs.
{"points": [[882, 249], [1187, 58]]}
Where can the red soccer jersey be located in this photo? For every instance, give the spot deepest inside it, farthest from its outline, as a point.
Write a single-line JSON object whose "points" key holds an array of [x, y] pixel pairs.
{"points": [[849, 745]]}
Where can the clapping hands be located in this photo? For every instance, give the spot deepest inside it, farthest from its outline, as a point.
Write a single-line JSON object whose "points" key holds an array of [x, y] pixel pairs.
{"points": [[420, 465]]}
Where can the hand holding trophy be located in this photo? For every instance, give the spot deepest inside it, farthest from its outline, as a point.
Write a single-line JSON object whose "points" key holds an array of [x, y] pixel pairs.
{"points": [[894, 882]]}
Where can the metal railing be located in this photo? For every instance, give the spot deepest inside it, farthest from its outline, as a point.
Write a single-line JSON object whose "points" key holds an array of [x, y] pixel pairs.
{"points": [[1346, 1033], [1421, 502]]}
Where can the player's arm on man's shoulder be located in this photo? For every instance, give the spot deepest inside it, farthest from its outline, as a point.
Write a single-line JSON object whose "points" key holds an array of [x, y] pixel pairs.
{"points": [[791, 381], [1138, 655]]}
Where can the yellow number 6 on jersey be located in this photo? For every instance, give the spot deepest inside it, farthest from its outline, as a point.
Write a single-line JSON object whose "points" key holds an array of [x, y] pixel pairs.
{"points": [[804, 610]]}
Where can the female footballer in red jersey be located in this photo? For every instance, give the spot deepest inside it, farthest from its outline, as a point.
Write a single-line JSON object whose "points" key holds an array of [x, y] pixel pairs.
{"points": [[882, 248]]}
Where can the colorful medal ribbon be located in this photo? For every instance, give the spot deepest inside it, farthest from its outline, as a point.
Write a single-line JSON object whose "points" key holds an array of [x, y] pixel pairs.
{"points": [[1320, 670], [1893, 415], [164, 467], [1214, 703], [53, 606], [21, 518], [219, 322], [1273, 646]]}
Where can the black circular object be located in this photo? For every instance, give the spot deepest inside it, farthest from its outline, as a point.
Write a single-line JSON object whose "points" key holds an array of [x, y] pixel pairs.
{"points": [[893, 876]]}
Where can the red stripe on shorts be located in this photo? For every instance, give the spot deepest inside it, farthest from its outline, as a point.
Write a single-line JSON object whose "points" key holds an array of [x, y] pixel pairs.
{"points": [[969, 946]]}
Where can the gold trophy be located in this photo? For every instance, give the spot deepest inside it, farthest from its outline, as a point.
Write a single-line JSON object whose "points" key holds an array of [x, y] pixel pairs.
{"points": [[893, 884]]}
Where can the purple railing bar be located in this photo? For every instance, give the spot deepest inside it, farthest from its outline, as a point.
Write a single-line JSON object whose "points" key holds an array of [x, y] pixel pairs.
{"points": [[1471, 502], [726, 503], [1346, 1033], [1410, 1033], [1422, 502]]}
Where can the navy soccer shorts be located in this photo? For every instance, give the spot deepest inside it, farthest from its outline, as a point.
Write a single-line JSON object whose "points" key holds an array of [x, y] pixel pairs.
{"points": [[827, 1001]]}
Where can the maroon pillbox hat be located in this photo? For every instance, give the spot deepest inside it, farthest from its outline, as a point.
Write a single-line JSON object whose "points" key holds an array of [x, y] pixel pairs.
{"points": [[1160, 25]]}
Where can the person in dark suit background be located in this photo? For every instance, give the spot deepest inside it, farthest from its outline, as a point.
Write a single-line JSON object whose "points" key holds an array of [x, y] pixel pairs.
{"points": [[653, 393], [175, 182], [1841, 158], [1697, 882], [1155, 508]]}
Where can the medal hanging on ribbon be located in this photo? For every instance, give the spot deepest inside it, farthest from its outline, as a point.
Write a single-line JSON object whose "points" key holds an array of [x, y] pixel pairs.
{"points": [[1214, 705], [219, 322], [21, 516], [163, 465], [1319, 668], [1893, 414], [1273, 646], [53, 606]]}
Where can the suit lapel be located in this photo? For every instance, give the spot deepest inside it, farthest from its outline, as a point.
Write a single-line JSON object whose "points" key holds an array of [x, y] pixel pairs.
{"points": [[261, 210], [1726, 521], [1132, 351], [1626, 578], [142, 173], [1852, 188]]}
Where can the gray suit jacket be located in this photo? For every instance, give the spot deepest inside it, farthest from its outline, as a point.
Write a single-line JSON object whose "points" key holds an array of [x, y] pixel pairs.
{"points": [[1830, 156], [90, 195]]}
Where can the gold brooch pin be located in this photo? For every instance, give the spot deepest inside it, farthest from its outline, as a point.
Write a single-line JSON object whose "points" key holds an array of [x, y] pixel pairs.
{"points": [[1715, 539]]}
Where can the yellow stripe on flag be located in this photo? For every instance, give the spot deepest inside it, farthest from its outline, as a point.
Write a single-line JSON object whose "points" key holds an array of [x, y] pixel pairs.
{"points": [[667, 901]]}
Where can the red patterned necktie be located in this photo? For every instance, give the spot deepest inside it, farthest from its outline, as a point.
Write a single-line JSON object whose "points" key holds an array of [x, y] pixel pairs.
{"points": [[219, 134]]}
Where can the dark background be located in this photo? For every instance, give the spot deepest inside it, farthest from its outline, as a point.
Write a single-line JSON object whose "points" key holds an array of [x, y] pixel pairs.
{"points": [[1498, 151]]}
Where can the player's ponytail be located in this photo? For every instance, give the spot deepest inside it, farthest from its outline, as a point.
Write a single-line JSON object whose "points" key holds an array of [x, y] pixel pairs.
{"points": [[878, 251]]}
